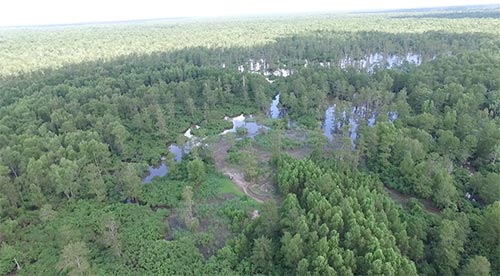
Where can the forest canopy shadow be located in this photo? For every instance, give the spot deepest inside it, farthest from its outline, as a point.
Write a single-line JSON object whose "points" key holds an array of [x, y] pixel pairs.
{"points": [[291, 51], [179, 72]]}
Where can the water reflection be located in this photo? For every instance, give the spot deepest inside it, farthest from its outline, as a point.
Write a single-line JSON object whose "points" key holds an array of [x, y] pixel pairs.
{"points": [[178, 152], [274, 111], [156, 172], [335, 121], [379, 60], [252, 128], [328, 126]]}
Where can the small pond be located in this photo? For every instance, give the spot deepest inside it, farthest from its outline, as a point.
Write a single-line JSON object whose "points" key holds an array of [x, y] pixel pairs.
{"points": [[178, 151], [251, 126], [335, 120], [153, 172]]}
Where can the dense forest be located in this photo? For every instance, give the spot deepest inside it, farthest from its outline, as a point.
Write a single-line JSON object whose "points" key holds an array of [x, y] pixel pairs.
{"points": [[400, 178]]}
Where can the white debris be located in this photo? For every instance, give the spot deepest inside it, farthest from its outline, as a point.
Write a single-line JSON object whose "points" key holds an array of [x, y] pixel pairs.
{"points": [[252, 127], [282, 72], [255, 214], [269, 81], [188, 133], [372, 61]]}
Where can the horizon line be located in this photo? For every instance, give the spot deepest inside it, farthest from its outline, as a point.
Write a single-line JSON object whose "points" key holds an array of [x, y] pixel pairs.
{"points": [[247, 16]]}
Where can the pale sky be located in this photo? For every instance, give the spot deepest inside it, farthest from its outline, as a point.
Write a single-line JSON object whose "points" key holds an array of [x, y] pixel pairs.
{"points": [[41, 12]]}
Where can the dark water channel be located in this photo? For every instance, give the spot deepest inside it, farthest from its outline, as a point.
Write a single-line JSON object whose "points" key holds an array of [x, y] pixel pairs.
{"points": [[274, 111]]}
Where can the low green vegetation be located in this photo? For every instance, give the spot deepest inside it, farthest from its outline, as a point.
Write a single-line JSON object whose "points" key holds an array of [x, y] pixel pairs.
{"points": [[226, 186], [85, 109]]}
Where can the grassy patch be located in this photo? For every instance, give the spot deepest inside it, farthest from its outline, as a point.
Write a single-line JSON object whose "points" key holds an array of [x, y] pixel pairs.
{"points": [[228, 187], [217, 184], [265, 141]]}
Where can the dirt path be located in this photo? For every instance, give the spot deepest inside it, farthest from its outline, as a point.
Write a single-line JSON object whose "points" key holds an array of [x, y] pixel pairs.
{"points": [[219, 153], [404, 199]]}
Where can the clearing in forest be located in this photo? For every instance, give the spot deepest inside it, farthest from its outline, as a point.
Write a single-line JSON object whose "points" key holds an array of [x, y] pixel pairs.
{"points": [[261, 190]]}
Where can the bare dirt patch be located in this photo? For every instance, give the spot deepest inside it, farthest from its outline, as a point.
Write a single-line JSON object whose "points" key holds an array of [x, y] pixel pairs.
{"points": [[404, 199]]}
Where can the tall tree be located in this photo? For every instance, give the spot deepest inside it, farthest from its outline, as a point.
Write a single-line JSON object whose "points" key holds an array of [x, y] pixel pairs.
{"points": [[130, 181], [8, 188], [292, 249], [74, 259], [65, 177], [489, 234], [196, 171], [476, 266], [449, 247], [110, 234], [94, 181], [10, 259], [262, 255]]}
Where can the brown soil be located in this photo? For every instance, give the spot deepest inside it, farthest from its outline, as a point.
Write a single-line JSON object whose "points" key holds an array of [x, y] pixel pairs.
{"points": [[220, 149], [404, 199], [299, 153], [174, 223]]}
